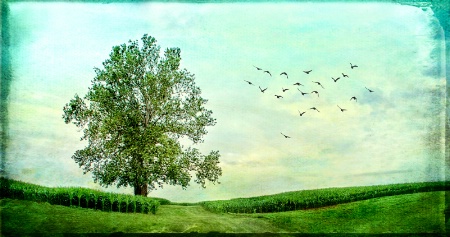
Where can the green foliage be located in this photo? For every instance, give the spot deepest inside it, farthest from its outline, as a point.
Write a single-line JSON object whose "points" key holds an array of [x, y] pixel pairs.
{"points": [[92, 200], [123, 204], [162, 201], [139, 105], [139, 206], [83, 200], [107, 203], [79, 197], [99, 203], [307, 199], [74, 200], [115, 203]]}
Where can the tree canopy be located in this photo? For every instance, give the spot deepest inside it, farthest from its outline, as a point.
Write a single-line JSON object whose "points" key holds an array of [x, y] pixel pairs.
{"points": [[139, 106]]}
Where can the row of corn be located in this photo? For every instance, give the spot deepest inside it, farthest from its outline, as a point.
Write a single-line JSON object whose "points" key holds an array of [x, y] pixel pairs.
{"points": [[79, 197], [306, 199]]}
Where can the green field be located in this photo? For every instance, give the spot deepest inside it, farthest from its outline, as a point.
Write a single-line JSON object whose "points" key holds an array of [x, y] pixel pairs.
{"points": [[307, 199], [409, 213], [79, 197]]}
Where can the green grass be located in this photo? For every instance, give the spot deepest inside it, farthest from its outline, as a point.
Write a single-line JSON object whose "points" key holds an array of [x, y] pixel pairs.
{"points": [[30, 217], [411, 213], [305, 199]]}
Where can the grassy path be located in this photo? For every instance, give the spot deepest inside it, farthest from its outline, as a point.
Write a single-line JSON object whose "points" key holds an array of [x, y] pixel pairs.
{"points": [[411, 213]]}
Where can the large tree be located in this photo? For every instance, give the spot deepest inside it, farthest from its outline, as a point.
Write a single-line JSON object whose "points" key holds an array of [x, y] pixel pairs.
{"points": [[133, 116]]}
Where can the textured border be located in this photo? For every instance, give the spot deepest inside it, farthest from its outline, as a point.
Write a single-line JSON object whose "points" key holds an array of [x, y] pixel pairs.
{"points": [[440, 8]]}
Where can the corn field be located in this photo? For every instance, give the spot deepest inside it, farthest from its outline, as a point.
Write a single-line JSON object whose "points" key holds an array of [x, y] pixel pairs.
{"points": [[79, 197], [300, 200]]}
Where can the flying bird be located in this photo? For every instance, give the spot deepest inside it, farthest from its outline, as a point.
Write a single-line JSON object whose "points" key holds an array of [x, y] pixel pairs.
{"points": [[307, 72], [250, 83], [314, 108], [315, 93], [284, 73], [303, 93], [335, 80], [344, 75], [279, 96], [298, 84], [285, 135], [268, 73], [257, 68], [284, 89], [353, 66], [369, 89], [301, 113], [262, 90], [342, 110], [318, 83], [354, 98]]}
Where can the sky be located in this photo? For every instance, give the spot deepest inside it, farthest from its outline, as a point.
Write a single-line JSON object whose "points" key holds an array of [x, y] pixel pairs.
{"points": [[392, 135]]}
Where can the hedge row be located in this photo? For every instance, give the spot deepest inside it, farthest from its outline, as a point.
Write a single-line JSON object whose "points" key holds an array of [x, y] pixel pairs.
{"points": [[306, 199], [79, 197]]}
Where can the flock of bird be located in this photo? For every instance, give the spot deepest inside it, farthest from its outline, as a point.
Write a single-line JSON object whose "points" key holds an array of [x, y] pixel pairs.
{"points": [[298, 84]]}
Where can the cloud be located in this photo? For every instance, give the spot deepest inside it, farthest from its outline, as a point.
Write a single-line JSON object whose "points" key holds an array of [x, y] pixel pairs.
{"points": [[382, 173]]}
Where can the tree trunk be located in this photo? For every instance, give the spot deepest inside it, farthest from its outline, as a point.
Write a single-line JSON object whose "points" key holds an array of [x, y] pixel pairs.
{"points": [[141, 189]]}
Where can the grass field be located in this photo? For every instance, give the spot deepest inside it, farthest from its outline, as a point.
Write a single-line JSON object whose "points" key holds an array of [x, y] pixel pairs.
{"points": [[307, 199], [408, 213]]}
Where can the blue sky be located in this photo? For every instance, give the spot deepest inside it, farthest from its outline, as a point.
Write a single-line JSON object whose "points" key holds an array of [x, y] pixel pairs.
{"points": [[382, 138]]}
